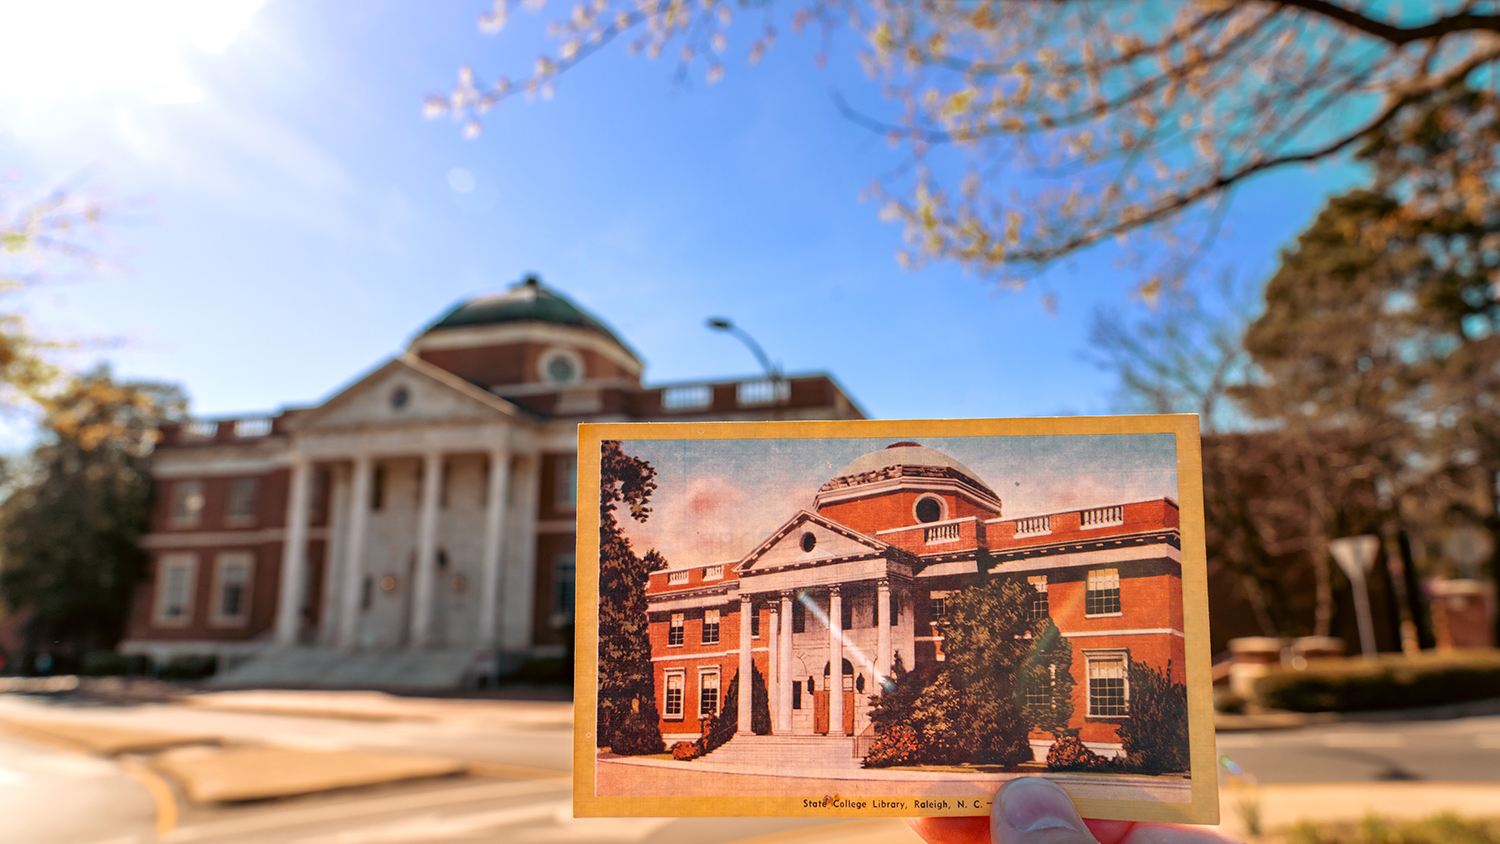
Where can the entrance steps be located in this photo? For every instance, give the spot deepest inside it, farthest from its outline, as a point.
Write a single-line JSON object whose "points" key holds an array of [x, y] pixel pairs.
{"points": [[787, 752], [310, 667]]}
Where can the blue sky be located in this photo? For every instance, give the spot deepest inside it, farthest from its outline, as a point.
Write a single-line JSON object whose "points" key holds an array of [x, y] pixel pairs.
{"points": [[289, 220], [718, 499]]}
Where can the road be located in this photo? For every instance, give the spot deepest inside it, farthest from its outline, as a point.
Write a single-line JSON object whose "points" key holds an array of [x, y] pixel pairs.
{"points": [[1460, 749], [50, 795]]}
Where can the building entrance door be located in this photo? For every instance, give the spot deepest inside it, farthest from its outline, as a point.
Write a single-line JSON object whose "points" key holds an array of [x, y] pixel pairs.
{"points": [[820, 713]]}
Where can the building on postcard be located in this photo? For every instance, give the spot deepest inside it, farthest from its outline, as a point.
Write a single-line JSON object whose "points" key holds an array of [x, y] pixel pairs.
{"points": [[823, 606], [417, 527]]}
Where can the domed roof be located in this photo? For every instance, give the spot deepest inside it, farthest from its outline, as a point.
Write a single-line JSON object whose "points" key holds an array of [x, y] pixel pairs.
{"points": [[528, 301], [906, 454]]}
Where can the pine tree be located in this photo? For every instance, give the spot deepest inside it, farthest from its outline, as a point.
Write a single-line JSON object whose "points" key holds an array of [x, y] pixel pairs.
{"points": [[1044, 683], [985, 644], [627, 683]]}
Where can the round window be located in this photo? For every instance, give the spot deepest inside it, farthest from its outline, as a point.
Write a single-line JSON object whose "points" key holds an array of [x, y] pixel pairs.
{"points": [[929, 510], [400, 397], [560, 370], [809, 541]]}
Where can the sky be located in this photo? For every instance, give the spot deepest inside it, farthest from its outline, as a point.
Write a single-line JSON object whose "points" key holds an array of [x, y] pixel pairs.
{"points": [[716, 500], [282, 218]]}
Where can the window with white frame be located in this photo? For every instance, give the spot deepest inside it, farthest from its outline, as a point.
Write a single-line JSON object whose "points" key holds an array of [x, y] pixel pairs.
{"points": [[754, 620], [939, 606], [1039, 606], [232, 579], [672, 706], [675, 630], [1103, 594], [566, 499], [564, 579], [710, 627], [187, 503], [708, 693], [244, 494], [174, 589], [1109, 683]]}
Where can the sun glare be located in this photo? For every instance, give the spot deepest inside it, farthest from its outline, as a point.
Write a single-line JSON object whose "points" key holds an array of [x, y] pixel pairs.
{"points": [[58, 49]]}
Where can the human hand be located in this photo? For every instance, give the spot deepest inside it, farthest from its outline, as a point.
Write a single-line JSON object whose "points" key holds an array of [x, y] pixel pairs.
{"points": [[1035, 810]]}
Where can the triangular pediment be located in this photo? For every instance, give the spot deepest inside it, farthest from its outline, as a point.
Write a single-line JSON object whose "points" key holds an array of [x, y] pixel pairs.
{"points": [[830, 541], [404, 390]]}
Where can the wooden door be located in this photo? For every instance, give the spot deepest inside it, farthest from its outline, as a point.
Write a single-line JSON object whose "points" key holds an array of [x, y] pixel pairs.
{"points": [[848, 713], [820, 712]]}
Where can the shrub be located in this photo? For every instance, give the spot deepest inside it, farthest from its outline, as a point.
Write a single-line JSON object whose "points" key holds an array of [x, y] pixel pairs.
{"points": [[189, 667], [1155, 736], [894, 745], [112, 664], [637, 735], [1391, 682], [1069, 753], [685, 751]]}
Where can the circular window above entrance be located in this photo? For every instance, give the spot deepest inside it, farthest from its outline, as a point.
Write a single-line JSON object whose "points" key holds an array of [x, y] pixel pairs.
{"points": [[561, 366], [399, 397], [929, 509], [809, 541]]}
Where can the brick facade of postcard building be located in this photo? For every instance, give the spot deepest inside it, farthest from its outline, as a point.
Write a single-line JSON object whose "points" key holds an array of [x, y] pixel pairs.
{"points": [[865, 575]]}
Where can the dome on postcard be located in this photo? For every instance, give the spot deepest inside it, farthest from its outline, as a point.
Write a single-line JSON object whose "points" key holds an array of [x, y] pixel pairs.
{"points": [[905, 454]]}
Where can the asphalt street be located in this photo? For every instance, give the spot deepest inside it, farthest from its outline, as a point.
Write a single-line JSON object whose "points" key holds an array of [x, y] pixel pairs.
{"points": [[50, 795], [1459, 749]]}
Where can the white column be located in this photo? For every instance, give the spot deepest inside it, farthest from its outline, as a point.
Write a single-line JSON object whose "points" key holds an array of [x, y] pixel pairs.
{"points": [[292, 597], [354, 562], [835, 662], [496, 490], [746, 608], [784, 700], [773, 668], [519, 572], [883, 633], [422, 580], [333, 556]]}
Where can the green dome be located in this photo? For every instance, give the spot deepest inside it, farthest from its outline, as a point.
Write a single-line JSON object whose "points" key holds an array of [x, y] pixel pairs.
{"points": [[528, 301]]}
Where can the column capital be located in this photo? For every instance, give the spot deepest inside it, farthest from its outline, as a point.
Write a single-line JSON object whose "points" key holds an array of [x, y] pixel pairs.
{"points": [[833, 590], [883, 583]]}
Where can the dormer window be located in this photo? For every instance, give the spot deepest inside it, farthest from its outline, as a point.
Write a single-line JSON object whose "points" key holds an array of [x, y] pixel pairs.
{"points": [[561, 367]]}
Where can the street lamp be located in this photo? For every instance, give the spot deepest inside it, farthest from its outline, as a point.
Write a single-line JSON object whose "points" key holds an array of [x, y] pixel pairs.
{"points": [[773, 372]]}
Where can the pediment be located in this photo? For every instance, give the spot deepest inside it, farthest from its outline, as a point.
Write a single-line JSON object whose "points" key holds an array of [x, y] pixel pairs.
{"points": [[830, 541], [404, 390]]}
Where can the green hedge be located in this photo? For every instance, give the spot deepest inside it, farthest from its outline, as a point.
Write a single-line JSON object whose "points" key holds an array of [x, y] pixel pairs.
{"points": [[1393, 681]]}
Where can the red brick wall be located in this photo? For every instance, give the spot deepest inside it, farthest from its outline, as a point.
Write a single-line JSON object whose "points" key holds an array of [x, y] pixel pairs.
{"points": [[512, 363], [896, 509]]}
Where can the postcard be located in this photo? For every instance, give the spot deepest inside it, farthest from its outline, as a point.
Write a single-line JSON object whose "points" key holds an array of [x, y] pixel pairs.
{"points": [[887, 618]]}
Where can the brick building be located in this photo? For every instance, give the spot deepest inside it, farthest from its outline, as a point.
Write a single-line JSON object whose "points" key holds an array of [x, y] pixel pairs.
{"points": [[417, 527], [864, 575]]}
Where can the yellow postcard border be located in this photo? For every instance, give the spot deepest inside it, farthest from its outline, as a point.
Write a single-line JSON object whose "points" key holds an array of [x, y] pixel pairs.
{"points": [[1203, 808]]}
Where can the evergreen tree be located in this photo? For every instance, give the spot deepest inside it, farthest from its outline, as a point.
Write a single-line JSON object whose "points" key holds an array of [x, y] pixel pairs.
{"points": [[70, 535], [1155, 736], [627, 682], [1044, 683], [985, 644]]}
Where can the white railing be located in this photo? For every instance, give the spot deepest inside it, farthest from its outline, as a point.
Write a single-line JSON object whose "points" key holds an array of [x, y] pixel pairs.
{"points": [[1034, 526], [687, 397], [714, 572], [764, 391], [1101, 517], [252, 427], [677, 578], [941, 533], [200, 428]]}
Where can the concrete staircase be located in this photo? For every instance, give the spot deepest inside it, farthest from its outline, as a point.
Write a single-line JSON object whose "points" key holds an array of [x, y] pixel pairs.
{"points": [[331, 668], [784, 753]]}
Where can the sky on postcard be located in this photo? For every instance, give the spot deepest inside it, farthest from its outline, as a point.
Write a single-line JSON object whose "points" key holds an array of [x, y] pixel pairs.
{"points": [[717, 499]]}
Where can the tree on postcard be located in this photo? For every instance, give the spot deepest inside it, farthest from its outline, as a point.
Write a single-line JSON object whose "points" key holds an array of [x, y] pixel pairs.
{"points": [[627, 683], [985, 640]]}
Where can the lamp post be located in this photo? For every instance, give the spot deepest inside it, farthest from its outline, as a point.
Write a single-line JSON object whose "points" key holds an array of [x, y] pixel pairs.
{"points": [[773, 372]]}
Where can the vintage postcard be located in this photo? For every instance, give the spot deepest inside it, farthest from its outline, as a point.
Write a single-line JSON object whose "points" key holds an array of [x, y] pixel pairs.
{"points": [[892, 618]]}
